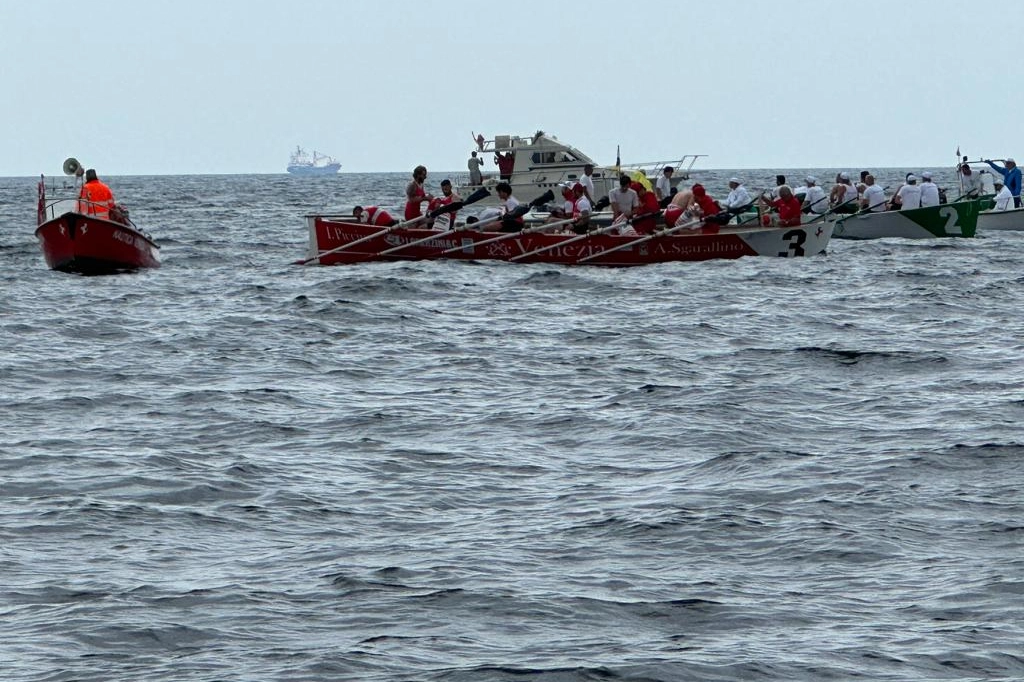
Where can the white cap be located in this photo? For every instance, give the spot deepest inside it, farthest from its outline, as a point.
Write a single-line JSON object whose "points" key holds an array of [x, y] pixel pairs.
{"points": [[1010, 161], [911, 178], [844, 176], [736, 180], [926, 175], [998, 181], [811, 180]]}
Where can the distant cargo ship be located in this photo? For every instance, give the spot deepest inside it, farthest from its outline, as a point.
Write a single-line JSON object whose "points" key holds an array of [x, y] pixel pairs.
{"points": [[302, 163]]}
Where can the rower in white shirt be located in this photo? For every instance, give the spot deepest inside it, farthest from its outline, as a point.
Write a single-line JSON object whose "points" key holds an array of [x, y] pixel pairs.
{"points": [[969, 181], [929, 190], [815, 199], [909, 195], [738, 196], [874, 196]]}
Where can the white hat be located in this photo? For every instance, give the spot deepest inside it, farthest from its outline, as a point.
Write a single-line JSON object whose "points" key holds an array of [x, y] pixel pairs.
{"points": [[736, 180], [926, 175], [1010, 161], [811, 180], [998, 181], [844, 176], [911, 177]]}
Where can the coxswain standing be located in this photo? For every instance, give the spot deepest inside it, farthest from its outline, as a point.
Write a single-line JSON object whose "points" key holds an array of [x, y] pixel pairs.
{"points": [[95, 198], [970, 183], [663, 187], [415, 194]]}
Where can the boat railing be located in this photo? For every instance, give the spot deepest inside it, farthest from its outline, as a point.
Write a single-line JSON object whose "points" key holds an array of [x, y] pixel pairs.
{"points": [[652, 169]]}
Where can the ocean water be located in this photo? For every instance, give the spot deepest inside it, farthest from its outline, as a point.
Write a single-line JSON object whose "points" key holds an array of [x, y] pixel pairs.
{"points": [[236, 468]]}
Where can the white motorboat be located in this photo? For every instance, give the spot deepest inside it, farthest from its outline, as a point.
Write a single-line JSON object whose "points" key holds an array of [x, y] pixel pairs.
{"points": [[541, 162]]}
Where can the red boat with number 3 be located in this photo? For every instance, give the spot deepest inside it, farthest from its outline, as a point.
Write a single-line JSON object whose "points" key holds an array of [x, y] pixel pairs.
{"points": [[337, 240]]}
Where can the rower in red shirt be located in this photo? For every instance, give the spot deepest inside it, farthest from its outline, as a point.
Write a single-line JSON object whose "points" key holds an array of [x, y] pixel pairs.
{"points": [[649, 207], [373, 215], [788, 206], [445, 220], [708, 206]]}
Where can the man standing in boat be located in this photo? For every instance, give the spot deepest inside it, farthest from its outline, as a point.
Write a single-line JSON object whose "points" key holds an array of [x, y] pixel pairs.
{"points": [[969, 182], [506, 163], [95, 198], [663, 187], [415, 194], [474, 163]]}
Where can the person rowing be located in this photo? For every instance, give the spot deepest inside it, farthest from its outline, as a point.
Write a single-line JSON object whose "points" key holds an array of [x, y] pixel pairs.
{"points": [[373, 215], [581, 209], [443, 220], [788, 206], [843, 194], [648, 210], [510, 221]]}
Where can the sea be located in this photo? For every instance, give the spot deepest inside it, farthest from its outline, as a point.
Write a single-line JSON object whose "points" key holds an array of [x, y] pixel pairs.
{"points": [[233, 467]]}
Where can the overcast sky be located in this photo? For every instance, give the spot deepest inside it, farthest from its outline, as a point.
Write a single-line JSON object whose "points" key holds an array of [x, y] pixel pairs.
{"points": [[232, 86]]}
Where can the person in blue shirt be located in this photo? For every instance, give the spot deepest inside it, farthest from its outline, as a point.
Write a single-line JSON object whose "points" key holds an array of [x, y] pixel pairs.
{"points": [[1012, 176]]}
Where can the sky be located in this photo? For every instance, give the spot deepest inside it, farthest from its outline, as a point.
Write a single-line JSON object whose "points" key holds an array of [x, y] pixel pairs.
{"points": [[232, 86]]}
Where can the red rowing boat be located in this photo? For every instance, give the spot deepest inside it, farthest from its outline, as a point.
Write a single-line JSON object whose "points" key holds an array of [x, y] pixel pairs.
{"points": [[330, 237], [73, 241]]}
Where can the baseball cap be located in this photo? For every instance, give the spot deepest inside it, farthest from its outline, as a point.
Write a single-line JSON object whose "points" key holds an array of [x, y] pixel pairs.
{"points": [[926, 175], [844, 176], [736, 180], [811, 180]]}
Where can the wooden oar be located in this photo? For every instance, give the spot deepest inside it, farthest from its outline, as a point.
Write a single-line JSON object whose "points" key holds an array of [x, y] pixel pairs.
{"points": [[476, 196], [641, 240], [518, 212], [831, 210], [586, 235]]}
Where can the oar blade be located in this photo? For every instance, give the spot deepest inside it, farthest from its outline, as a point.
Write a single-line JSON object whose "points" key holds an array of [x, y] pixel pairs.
{"points": [[543, 199]]}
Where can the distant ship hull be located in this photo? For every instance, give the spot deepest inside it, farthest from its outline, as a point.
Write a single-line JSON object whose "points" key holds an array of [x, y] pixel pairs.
{"points": [[329, 169]]}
